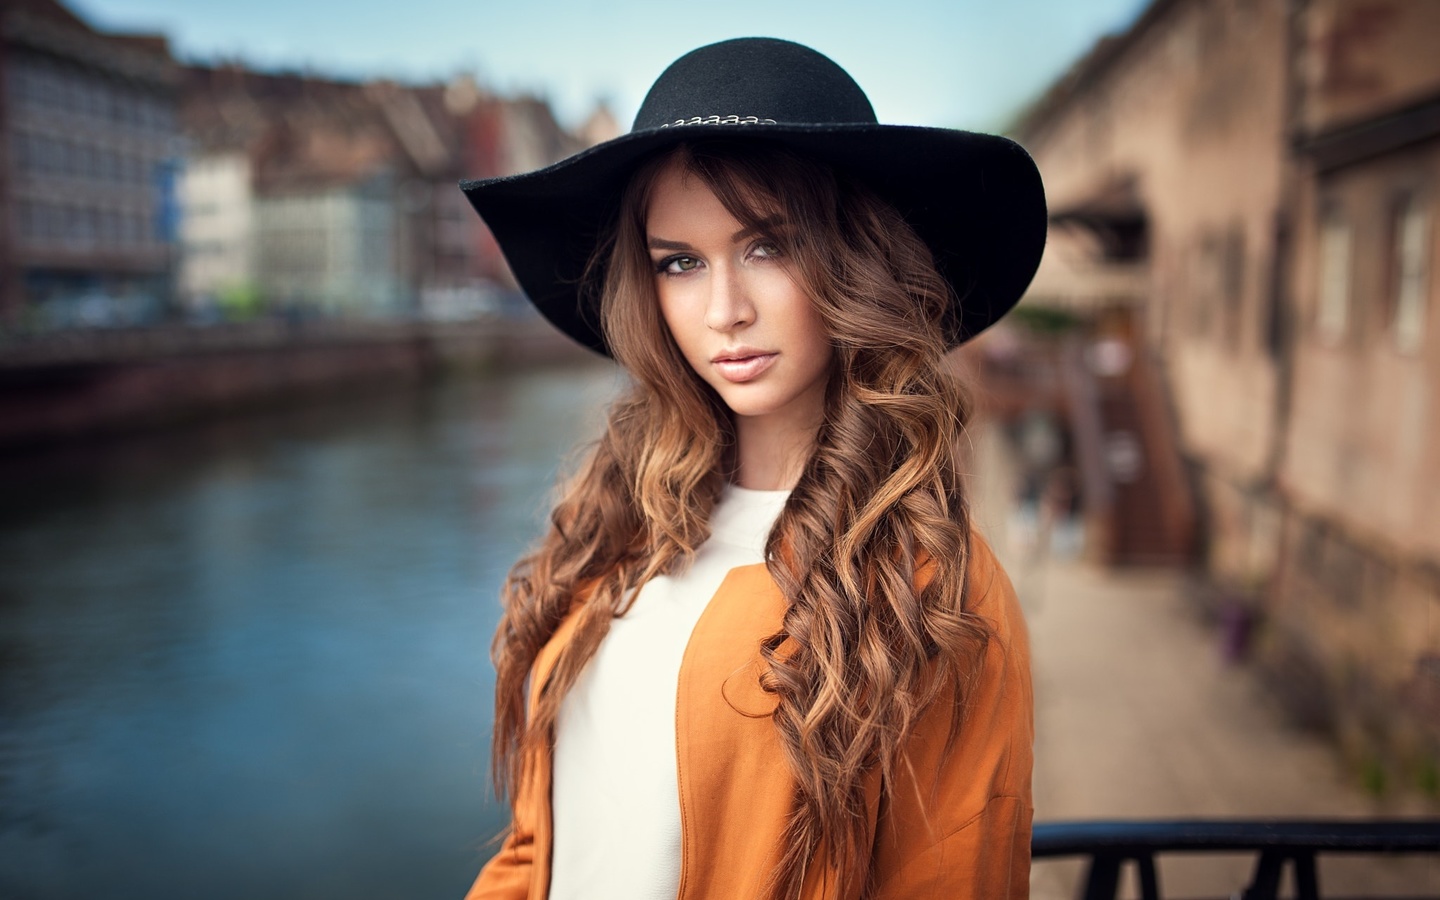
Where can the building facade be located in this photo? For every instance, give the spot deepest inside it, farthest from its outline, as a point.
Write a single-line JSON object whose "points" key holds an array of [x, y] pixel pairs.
{"points": [[1254, 183], [331, 250], [91, 151], [314, 196], [1356, 602], [217, 232], [307, 196]]}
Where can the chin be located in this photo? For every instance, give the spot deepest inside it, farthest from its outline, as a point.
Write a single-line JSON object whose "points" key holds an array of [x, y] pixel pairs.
{"points": [[752, 407], [757, 401]]}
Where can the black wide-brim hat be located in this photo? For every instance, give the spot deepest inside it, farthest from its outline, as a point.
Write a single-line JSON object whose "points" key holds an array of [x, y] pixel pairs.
{"points": [[975, 199]]}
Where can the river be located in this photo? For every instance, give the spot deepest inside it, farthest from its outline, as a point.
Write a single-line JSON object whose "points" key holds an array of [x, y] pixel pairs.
{"points": [[250, 658]]}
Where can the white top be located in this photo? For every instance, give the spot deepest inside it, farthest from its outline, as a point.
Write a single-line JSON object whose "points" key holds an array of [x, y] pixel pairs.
{"points": [[614, 798]]}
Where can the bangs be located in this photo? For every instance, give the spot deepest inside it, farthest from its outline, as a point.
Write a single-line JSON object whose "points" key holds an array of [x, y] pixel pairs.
{"points": [[764, 186]]}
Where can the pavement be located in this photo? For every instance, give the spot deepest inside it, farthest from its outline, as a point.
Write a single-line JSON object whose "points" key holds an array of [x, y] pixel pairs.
{"points": [[1139, 716]]}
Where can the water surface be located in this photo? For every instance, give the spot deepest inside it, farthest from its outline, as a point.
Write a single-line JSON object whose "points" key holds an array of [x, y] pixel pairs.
{"points": [[250, 659]]}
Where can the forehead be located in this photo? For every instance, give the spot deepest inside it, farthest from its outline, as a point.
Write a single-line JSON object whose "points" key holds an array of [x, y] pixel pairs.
{"points": [[680, 198]]}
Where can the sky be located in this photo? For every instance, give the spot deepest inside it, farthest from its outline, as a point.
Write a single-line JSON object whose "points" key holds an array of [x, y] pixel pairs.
{"points": [[952, 63]]}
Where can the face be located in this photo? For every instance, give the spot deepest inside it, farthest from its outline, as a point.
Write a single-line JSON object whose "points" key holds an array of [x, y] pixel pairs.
{"points": [[739, 317]]}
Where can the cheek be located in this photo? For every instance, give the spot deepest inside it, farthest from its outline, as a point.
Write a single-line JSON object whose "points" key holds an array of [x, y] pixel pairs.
{"points": [[807, 322], [677, 320], [822, 359]]}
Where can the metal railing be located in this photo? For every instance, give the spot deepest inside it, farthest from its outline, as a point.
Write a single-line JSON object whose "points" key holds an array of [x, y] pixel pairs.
{"points": [[1277, 845]]}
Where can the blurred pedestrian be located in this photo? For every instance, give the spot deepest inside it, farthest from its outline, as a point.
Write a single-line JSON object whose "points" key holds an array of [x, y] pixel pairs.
{"points": [[760, 651]]}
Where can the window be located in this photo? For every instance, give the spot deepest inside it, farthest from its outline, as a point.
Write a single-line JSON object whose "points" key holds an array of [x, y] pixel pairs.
{"points": [[67, 93], [1412, 271], [1217, 286], [70, 225], [1205, 285], [55, 221], [1232, 285], [94, 98], [21, 87], [86, 225], [47, 92], [104, 102], [25, 219], [42, 154], [1333, 314], [20, 150]]}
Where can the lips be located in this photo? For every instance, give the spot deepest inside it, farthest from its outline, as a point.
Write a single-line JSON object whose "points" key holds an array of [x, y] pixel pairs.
{"points": [[739, 366]]}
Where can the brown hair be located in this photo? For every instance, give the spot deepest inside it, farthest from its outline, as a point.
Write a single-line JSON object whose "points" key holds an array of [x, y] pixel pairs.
{"points": [[866, 644]]}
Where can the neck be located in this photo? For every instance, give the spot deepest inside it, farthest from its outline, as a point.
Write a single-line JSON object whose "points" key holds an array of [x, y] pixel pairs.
{"points": [[771, 452]]}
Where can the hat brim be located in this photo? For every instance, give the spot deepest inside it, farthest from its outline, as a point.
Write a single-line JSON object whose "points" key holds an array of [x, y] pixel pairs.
{"points": [[976, 200]]}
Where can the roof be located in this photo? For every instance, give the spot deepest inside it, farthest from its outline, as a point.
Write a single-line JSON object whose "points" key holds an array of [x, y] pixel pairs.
{"points": [[1090, 70], [303, 129], [48, 11], [49, 27]]}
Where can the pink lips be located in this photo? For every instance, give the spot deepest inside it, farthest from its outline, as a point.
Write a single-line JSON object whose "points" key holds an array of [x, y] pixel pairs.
{"points": [[743, 364]]}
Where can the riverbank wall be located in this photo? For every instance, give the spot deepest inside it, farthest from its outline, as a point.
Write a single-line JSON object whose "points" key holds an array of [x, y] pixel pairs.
{"points": [[83, 384]]}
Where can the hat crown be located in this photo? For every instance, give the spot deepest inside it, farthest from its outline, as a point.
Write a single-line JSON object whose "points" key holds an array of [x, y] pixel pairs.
{"points": [[750, 80]]}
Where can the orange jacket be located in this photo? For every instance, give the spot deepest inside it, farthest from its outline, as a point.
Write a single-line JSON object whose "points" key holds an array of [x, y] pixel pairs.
{"points": [[952, 826]]}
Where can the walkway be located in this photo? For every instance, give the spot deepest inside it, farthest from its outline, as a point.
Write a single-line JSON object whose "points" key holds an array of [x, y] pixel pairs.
{"points": [[1138, 716]]}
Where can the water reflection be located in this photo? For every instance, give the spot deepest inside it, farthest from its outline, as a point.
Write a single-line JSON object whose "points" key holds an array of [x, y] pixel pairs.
{"points": [[251, 660]]}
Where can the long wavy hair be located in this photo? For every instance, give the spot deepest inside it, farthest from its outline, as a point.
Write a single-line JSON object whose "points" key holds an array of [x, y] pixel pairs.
{"points": [[868, 640]]}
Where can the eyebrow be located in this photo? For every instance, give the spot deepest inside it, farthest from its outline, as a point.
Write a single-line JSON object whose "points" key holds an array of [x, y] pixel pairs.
{"points": [[767, 224]]}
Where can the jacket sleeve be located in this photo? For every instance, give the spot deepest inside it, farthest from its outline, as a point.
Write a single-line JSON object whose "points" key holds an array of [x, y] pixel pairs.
{"points": [[507, 875], [988, 858], [522, 865], [956, 823], [524, 855]]}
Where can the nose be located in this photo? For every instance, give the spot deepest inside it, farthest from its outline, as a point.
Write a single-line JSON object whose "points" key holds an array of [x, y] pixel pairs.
{"points": [[729, 304]]}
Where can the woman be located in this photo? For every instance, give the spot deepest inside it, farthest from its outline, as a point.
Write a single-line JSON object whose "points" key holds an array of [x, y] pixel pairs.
{"points": [[760, 652]]}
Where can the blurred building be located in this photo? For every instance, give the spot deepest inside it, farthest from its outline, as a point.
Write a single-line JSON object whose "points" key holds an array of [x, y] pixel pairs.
{"points": [[1244, 192], [87, 170], [217, 263], [315, 196], [309, 195], [1358, 580]]}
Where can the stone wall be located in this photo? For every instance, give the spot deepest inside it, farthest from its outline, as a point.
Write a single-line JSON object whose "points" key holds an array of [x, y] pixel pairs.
{"points": [[80, 386]]}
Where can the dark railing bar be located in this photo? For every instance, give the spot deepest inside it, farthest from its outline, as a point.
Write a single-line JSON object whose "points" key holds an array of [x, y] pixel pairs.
{"points": [[1125, 837], [1112, 845], [1265, 884], [1102, 880]]}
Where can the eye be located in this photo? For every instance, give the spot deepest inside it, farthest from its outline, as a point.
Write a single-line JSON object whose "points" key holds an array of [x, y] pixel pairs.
{"points": [[677, 265], [766, 249]]}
